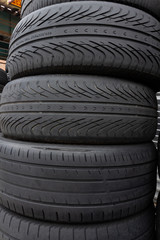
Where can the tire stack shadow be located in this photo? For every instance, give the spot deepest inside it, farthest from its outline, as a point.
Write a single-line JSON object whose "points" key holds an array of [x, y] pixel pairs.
{"points": [[3, 82]]}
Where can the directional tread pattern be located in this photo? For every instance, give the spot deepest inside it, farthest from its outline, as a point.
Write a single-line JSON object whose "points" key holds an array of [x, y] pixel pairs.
{"points": [[76, 183], [93, 38], [78, 109], [15, 227], [29, 6]]}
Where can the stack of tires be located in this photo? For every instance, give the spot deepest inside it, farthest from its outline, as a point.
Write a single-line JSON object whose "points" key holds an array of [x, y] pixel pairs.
{"points": [[77, 160]]}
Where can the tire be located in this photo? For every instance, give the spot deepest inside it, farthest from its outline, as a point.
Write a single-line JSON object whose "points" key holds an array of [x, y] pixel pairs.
{"points": [[78, 109], [139, 227], [158, 219], [29, 6], [3, 79], [76, 183], [87, 43]]}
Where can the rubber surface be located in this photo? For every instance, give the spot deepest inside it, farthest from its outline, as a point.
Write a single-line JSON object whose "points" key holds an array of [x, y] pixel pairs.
{"points": [[78, 109], [152, 6], [3, 79], [90, 37], [19, 228], [76, 184]]}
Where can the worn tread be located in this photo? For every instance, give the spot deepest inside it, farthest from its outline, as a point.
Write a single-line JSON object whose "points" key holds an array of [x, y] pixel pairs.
{"points": [[76, 184], [15, 227], [78, 109]]}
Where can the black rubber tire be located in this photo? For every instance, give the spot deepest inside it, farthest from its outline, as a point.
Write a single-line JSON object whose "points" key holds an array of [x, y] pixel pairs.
{"points": [[138, 227], [151, 6], [87, 38], [3, 79], [78, 109], [158, 219], [76, 184]]}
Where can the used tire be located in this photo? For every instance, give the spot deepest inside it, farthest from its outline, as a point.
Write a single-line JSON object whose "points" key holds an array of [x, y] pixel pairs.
{"points": [[76, 183], [78, 109], [139, 227], [109, 38], [29, 6]]}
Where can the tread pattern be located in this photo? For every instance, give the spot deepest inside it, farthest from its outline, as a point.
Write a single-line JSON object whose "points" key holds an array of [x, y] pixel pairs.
{"points": [[14, 227], [78, 109], [93, 38], [76, 184], [29, 6]]}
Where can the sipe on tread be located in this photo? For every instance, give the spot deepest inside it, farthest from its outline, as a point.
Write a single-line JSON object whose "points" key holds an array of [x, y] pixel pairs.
{"points": [[78, 109], [151, 6], [16, 227], [65, 38], [76, 183]]}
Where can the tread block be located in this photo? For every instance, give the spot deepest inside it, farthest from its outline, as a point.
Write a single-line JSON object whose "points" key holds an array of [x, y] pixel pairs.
{"points": [[76, 183], [101, 38], [78, 109], [16, 227]]}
